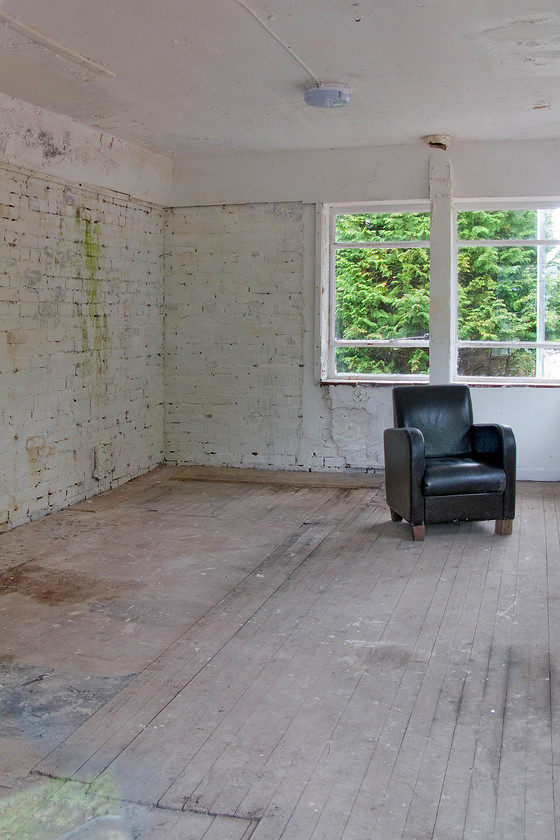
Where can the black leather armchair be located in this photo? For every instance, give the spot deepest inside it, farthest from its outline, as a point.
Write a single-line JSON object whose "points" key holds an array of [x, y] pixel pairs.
{"points": [[440, 467]]}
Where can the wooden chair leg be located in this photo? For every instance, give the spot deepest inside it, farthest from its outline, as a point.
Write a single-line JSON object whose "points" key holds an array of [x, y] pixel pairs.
{"points": [[504, 527], [418, 532], [396, 517]]}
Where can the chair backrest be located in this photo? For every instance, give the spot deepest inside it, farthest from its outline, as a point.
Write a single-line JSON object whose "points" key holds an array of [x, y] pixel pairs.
{"points": [[443, 413]]}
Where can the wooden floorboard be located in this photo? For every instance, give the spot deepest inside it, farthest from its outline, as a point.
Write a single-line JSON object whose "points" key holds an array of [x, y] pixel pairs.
{"points": [[327, 678]]}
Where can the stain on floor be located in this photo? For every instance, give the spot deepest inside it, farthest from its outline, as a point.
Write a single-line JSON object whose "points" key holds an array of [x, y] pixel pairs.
{"points": [[45, 705], [56, 586]]}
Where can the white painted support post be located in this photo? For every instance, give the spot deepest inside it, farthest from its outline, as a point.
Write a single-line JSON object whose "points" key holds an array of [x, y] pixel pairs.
{"points": [[325, 273], [443, 303]]}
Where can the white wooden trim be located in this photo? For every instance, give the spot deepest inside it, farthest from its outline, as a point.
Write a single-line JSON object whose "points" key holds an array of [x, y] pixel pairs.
{"points": [[443, 294]]}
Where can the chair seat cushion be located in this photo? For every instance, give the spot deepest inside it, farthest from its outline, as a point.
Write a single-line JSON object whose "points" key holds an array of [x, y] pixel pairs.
{"points": [[457, 475]]}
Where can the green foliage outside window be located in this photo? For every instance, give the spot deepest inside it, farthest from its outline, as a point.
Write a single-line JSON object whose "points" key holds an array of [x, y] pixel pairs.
{"points": [[382, 293], [497, 290]]}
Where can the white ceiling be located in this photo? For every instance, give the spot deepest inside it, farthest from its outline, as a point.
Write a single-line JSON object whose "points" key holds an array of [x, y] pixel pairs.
{"points": [[229, 75]]}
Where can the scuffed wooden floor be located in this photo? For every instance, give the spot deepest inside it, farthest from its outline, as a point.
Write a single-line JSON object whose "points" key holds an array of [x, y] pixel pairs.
{"points": [[273, 662]]}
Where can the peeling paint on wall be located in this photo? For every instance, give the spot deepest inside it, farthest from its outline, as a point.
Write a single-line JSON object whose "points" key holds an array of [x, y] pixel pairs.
{"points": [[48, 144], [359, 415], [54, 144], [38, 451]]}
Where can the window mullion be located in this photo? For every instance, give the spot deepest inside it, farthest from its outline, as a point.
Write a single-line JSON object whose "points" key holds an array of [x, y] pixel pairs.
{"points": [[541, 302]]}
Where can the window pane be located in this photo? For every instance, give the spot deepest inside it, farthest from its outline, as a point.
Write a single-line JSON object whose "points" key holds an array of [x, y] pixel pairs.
{"points": [[486, 361], [501, 361], [497, 293], [383, 227], [382, 294], [508, 224], [505, 292], [551, 364], [395, 360], [550, 274]]}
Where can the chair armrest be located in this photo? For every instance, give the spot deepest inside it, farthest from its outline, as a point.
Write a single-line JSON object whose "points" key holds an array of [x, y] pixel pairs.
{"points": [[497, 442], [404, 471]]}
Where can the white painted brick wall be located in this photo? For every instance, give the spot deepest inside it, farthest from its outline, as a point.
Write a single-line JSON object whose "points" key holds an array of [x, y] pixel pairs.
{"points": [[81, 333], [234, 335]]}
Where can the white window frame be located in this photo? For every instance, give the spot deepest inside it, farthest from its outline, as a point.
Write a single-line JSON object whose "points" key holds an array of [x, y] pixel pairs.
{"points": [[328, 248], [443, 342], [539, 344]]}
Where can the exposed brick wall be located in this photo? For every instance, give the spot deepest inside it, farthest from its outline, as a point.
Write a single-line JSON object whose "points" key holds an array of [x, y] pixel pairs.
{"points": [[81, 326], [234, 335]]}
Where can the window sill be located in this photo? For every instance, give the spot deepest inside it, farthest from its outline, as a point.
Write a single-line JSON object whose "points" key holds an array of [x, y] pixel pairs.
{"points": [[472, 383]]}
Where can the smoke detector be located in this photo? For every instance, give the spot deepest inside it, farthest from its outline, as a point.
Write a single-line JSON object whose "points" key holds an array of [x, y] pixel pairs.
{"points": [[328, 95]]}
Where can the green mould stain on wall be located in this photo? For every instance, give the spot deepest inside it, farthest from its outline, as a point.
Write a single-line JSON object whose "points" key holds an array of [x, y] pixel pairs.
{"points": [[95, 329]]}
